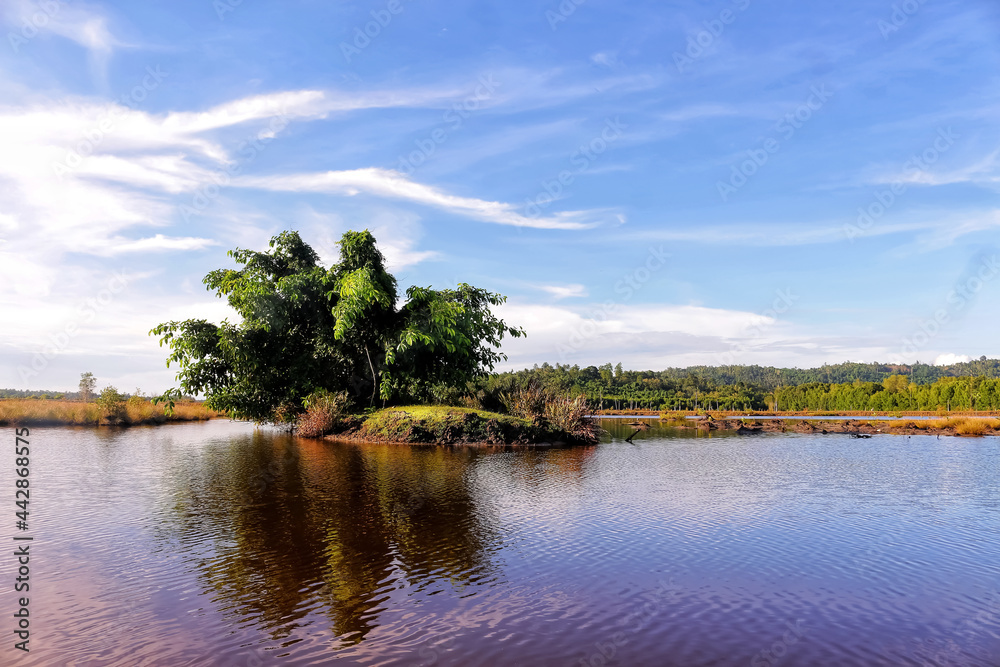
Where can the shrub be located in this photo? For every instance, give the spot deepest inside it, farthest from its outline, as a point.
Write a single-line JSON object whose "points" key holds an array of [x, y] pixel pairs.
{"points": [[113, 406], [443, 394], [570, 415], [527, 401], [324, 410]]}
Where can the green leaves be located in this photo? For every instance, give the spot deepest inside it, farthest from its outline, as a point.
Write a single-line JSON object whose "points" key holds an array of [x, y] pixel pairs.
{"points": [[305, 329], [357, 294], [446, 337], [169, 399]]}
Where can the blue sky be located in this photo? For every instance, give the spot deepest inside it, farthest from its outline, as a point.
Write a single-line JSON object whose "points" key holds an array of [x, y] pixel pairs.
{"points": [[655, 183]]}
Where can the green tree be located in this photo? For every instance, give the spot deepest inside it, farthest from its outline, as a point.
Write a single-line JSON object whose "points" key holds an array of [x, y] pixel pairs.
{"points": [[896, 383], [87, 384], [113, 405], [305, 328]]}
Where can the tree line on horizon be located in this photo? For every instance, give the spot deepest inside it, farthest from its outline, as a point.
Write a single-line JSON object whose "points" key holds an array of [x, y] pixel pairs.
{"points": [[846, 387]]}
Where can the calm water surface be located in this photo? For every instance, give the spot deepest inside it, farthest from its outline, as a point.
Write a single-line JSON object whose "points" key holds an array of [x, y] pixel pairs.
{"points": [[218, 544]]}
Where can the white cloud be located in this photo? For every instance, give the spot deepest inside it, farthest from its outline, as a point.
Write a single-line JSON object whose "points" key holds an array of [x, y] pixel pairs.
{"points": [[393, 184], [647, 335], [398, 234], [936, 229], [77, 173], [650, 336], [949, 359], [606, 58], [983, 171], [158, 243], [565, 291], [79, 24]]}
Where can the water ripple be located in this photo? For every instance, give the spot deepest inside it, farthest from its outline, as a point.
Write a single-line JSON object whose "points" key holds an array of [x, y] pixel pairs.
{"points": [[219, 544]]}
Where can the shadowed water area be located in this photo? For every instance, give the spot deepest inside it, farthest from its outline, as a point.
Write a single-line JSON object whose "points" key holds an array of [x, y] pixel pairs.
{"points": [[219, 544]]}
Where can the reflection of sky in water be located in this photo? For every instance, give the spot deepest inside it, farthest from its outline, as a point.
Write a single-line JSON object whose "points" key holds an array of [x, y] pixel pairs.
{"points": [[187, 543]]}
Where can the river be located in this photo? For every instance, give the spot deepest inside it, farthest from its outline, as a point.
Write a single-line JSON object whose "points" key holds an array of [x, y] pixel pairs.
{"points": [[221, 544]]}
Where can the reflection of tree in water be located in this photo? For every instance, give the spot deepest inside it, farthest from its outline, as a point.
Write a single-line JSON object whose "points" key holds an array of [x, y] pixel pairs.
{"points": [[287, 524]]}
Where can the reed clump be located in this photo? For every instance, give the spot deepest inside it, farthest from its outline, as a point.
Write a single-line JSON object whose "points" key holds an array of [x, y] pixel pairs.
{"points": [[963, 425], [567, 414], [324, 413], [977, 426], [134, 411]]}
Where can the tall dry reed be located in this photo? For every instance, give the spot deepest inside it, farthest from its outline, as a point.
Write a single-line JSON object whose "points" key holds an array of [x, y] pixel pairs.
{"points": [[77, 413]]}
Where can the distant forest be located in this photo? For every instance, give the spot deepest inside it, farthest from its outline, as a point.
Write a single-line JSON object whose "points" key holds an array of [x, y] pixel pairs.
{"points": [[847, 386]]}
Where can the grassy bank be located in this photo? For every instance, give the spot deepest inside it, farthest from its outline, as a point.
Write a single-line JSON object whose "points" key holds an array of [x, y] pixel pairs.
{"points": [[953, 426], [960, 426], [32, 412], [445, 425]]}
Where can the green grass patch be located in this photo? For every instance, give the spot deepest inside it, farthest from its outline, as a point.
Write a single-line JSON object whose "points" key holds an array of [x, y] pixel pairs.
{"points": [[441, 424]]}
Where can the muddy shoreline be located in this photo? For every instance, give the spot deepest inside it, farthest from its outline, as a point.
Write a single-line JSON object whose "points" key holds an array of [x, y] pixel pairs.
{"points": [[855, 427]]}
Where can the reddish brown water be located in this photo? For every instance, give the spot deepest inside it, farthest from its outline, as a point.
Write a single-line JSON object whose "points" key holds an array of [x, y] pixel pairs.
{"points": [[213, 544]]}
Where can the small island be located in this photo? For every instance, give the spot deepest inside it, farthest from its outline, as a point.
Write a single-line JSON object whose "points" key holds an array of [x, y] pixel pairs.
{"points": [[446, 425], [335, 352]]}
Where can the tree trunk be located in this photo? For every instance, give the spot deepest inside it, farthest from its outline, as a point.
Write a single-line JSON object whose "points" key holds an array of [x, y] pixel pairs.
{"points": [[374, 379]]}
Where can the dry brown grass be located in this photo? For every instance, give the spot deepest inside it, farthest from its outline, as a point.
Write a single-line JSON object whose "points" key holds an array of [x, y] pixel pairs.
{"points": [[78, 413], [963, 425], [977, 426]]}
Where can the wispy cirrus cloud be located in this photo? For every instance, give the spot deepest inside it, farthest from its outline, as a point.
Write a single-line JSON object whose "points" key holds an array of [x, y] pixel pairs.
{"points": [[926, 230], [84, 25], [80, 172], [983, 171], [395, 185], [159, 243], [573, 291]]}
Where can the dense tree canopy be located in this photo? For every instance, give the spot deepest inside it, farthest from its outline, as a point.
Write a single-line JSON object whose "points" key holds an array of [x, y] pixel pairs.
{"points": [[306, 328], [731, 387]]}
